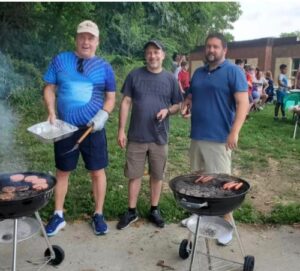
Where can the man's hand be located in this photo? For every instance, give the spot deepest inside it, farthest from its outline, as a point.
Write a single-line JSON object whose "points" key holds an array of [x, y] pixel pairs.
{"points": [[232, 141], [122, 139], [162, 114], [99, 120], [186, 108], [51, 118]]}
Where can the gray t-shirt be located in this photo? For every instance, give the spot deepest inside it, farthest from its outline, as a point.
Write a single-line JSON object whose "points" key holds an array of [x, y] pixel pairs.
{"points": [[150, 92]]}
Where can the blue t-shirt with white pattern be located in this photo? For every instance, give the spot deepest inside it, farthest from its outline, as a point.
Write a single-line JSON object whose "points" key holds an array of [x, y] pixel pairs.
{"points": [[79, 95]]}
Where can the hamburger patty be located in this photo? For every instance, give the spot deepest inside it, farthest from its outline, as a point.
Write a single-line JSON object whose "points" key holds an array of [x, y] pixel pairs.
{"points": [[17, 177]]}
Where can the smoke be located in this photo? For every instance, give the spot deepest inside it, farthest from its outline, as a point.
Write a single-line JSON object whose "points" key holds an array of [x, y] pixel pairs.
{"points": [[11, 158], [9, 80]]}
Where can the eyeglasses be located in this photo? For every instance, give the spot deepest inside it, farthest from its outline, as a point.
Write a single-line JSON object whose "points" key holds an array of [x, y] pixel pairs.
{"points": [[80, 65]]}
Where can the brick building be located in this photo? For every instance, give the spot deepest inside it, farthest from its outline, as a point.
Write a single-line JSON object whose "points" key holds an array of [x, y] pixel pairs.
{"points": [[265, 53]]}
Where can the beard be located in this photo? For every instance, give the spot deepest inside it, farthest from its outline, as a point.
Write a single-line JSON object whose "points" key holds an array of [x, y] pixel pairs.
{"points": [[211, 58]]}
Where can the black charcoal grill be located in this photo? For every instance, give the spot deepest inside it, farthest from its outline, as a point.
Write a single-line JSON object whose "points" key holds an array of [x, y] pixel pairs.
{"points": [[208, 201], [208, 198], [26, 203]]}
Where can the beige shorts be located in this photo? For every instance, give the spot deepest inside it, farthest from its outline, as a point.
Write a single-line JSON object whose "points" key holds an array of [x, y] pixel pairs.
{"points": [[136, 155], [209, 157]]}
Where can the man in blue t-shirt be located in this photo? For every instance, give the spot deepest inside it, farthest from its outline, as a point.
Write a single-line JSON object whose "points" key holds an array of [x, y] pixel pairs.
{"points": [[218, 105], [83, 85]]}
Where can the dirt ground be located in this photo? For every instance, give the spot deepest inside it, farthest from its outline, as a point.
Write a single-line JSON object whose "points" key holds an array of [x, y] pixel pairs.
{"points": [[277, 184]]}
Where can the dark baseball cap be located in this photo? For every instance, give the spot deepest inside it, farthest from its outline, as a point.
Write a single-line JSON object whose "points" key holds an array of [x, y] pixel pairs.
{"points": [[156, 43]]}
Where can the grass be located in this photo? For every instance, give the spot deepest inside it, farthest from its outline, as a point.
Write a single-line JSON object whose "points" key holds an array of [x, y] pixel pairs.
{"points": [[261, 138]]}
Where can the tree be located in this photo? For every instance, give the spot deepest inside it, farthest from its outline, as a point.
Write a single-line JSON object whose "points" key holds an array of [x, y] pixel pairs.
{"points": [[291, 34], [38, 30]]}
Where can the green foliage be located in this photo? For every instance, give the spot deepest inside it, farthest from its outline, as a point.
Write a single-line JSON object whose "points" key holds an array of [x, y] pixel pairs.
{"points": [[247, 214], [30, 74], [290, 34], [261, 138], [9, 80], [36, 31], [284, 214]]}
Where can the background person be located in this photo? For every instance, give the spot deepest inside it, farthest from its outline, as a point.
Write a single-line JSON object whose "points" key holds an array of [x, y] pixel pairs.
{"points": [[270, 88], [249, 79], [153, 95], [184, 78], [85, 88], [260, 85], [297, 79], [281, 91], [218, 104]]}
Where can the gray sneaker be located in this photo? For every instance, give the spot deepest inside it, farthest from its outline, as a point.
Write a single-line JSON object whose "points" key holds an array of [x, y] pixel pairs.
{"points": [[126, 220], [155, 217]]}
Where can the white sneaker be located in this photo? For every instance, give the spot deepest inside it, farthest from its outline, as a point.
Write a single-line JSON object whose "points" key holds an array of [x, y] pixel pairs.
{"points": [[184, 222], [225, 239]]}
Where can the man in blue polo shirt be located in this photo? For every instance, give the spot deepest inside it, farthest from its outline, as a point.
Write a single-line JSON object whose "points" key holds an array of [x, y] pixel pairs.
{"points": [[218, 105]]}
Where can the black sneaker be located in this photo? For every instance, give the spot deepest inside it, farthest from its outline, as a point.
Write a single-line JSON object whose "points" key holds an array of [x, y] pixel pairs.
{"points": [[155, 217], [126, 220]]}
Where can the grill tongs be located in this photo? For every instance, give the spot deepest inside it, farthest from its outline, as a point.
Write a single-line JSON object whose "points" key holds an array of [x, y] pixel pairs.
{"points": [[76, 146]]}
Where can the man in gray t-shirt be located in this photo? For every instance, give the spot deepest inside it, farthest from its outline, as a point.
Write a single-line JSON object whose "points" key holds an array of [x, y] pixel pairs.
{"points": [[153, 95]]}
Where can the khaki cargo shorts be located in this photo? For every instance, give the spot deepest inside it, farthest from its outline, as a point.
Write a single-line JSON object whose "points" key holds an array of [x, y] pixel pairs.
{"points": [[136, 155], [210, 157]]}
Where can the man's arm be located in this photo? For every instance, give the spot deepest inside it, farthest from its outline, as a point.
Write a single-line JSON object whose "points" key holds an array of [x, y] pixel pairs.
{"points": [[187, 106], [109, 103], [49, 99], [123, 115], [242, 106]]}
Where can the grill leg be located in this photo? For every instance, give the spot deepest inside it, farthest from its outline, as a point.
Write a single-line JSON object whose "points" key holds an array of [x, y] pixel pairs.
{"points": [[52, 253], [195, 242], [14, 260], [237, 235], [296, 125], [208, 253]]}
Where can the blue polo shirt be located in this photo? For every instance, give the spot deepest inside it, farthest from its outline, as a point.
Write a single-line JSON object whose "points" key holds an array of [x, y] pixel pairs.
{"points": [[213, 103]]}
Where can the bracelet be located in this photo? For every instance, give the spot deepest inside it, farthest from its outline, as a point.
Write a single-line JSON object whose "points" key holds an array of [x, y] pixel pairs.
{"points": [[169, 112]]}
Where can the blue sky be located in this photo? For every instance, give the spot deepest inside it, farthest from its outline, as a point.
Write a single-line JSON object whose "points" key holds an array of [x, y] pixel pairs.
{"points": [[266, 18]]}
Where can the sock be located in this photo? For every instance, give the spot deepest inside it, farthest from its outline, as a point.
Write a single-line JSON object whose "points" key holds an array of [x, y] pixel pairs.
{"points": [[153, 208], [59, 212], [132, 210], [97, 213]]}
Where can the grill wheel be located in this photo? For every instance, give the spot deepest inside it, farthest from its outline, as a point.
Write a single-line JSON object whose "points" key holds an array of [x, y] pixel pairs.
{"points": [[184, 250]]}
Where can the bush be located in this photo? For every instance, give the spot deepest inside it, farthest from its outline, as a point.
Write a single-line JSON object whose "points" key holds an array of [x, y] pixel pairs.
{"points": [[285, 214]]}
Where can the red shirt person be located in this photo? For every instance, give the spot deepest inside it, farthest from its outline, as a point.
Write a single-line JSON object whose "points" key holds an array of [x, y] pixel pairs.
{"points": [[184, 78]]}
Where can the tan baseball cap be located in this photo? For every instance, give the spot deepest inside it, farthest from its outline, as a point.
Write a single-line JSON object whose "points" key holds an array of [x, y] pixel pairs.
{"points": [[88, 27]]}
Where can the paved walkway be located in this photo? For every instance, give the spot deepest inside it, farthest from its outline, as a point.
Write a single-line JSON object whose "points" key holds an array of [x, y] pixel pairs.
{"points": [[144, 247]]}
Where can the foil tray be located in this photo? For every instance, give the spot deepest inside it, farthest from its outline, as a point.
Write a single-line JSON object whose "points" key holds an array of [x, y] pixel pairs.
{"points": [[27, 227], [49, 133], [212, 227]]}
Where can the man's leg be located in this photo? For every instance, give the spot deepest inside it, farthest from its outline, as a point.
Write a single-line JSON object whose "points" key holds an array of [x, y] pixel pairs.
{"points": [[157, 162], [99, 189], [134, 170], [57, 222], [155, 190], [61, 188], [134, 187]]}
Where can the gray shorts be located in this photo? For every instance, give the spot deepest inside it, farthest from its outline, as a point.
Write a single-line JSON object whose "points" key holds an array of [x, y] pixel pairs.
{"points": [[210, 157], [136, 155]]}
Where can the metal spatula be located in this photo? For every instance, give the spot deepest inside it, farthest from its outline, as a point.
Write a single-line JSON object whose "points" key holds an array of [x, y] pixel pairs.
{"points": [[86, 133]]}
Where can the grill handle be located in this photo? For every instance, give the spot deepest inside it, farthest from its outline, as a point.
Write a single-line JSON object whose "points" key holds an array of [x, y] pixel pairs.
{"points": [[187, 204]]}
